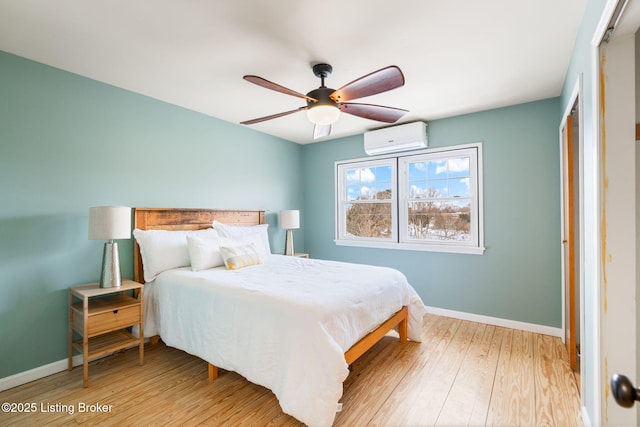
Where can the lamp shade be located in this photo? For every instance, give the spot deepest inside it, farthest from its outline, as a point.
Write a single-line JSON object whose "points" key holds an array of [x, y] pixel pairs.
{"points": [[109, 222], [289, 219]]}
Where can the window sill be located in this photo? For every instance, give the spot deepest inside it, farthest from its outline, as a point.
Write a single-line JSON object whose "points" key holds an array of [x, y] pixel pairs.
{"points": [[472, 250]]}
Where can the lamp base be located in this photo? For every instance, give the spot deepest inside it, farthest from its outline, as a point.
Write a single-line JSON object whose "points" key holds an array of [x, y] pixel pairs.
{"points": [[110, 276], [288, 243]]}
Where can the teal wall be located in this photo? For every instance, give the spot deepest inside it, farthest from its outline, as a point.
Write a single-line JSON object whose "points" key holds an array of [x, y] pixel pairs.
{"points": [[518, 277], [68, 143]]}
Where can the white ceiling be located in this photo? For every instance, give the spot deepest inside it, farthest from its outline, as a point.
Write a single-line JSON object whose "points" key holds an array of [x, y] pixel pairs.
{"points": [[457, 56]]}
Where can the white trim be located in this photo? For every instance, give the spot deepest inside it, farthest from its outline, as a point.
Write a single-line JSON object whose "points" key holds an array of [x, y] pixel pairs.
{"points": [[496, 321], [340, 235], [472, 250], [594, 228], [576, 95], [605, 18], [404, 162], [585, 417], [62, 365], [37, 373], [341, 188], [563, 282], [44, 371]]}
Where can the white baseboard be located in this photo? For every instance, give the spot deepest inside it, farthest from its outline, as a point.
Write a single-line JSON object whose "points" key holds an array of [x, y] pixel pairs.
{"points": [[585, 417], [37, 373], [61, 365], [496, 321], [46, 370]]}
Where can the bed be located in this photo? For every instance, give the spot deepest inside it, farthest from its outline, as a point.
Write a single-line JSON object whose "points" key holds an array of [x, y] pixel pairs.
{"points": [[291, 324]]}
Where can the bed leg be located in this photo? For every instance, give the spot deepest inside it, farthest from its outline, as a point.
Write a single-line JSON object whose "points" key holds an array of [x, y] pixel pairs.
{"points": [[403, 326], [213, 372], [154, 339]]}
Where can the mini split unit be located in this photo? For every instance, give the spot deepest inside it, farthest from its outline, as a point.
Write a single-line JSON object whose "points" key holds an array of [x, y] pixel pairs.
{"points": [[405, 137]]}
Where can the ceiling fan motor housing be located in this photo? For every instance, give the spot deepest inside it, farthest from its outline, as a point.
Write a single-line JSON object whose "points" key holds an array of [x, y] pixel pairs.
{"points": [[322, 94]]}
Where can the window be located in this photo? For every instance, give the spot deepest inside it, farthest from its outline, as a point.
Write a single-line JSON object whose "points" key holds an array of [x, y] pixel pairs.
{"points": [[369, 201], [429, 201]]}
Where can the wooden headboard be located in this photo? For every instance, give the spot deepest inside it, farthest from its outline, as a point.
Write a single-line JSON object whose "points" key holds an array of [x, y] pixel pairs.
{"points": [[186, 219]]}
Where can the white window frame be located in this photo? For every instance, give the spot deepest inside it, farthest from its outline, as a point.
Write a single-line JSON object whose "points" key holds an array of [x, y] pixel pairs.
{"points": [[342, 234], [400, 213]]}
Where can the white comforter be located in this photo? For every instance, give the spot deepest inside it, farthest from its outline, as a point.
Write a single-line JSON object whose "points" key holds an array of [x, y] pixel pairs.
{"points": [[285, 324]]}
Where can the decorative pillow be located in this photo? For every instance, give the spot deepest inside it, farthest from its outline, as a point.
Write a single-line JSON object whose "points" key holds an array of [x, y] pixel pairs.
{"points": [[235, 231], [163, 250], [237, 257], [204, 251]]}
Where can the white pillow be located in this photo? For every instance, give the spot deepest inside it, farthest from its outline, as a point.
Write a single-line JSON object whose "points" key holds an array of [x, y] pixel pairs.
{"points": [[204, 251], [235, 231], [163, 250], [237, 257]]}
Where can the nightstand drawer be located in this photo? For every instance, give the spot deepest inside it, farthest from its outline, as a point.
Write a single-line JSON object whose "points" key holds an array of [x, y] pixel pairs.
{"points": [[112, 320]]}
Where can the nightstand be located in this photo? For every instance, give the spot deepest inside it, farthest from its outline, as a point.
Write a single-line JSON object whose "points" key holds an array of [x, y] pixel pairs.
{"points": [[101, 317]]}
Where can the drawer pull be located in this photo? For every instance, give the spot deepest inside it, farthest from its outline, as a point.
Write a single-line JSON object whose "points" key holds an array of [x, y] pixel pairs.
{"points": [[115, 311]]}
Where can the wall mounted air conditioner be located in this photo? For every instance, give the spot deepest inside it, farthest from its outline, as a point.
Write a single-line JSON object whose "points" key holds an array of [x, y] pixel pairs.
{"points": [[408, 136]]}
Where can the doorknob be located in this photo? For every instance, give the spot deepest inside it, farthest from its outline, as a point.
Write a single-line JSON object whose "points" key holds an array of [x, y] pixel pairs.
{"points": [[623, 391]]}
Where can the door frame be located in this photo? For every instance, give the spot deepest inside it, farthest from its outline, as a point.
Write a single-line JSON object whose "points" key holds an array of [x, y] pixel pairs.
{"points": [[575, 98]]}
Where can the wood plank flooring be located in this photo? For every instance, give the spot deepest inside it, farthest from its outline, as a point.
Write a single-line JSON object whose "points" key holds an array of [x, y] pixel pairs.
{"points": [[462, 374]]}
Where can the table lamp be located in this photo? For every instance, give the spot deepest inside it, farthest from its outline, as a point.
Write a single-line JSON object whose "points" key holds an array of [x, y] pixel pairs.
{"points": [[110, 223], [289, 220]]}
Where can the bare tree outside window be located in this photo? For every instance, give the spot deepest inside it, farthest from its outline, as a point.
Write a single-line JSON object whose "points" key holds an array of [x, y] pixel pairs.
{"points": [[425, 201], [439, 204], [369, 220], [368, 213]]}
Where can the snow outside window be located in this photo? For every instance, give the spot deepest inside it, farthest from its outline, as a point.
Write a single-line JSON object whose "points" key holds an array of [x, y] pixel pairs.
{"points": [[430, 201]]}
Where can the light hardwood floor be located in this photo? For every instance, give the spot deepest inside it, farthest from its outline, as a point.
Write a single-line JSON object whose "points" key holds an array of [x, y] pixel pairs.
{"points": [[464, 373]]}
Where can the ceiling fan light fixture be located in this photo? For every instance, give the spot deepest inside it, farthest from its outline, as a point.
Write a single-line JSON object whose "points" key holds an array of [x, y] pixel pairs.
{"points": [[325, 104], [323, 114]]}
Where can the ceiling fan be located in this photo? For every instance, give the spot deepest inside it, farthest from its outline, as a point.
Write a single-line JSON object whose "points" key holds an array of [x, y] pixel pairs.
{"points": [[325, 104]]}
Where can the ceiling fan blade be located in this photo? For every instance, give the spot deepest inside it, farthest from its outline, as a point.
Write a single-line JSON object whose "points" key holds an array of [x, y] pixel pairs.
{"points": [[377, 82], [274, 86], [320, 131], [273, 116], [373, 112]]}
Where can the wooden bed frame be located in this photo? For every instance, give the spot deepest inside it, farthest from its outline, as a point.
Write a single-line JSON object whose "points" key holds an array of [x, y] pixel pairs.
{"points": [[198, 219]]}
